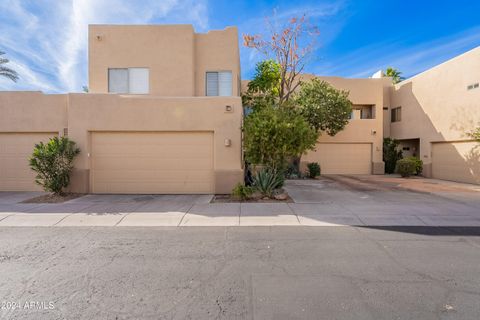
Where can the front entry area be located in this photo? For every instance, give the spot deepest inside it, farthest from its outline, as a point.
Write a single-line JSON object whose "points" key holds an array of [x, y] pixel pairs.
{"points": [[342, 158], [152, 162]]}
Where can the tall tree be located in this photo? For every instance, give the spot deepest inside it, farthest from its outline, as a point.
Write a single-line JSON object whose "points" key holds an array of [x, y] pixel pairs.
{"points": [[394, 74], [6, 71], [290, 46]]}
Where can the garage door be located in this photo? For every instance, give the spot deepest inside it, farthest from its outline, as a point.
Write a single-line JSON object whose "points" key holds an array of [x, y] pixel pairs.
{"points": [[152, 162], [456, 161], [342, 158], [15, 149]]}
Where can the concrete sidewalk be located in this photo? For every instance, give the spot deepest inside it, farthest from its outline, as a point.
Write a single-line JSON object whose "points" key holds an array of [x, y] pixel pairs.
{"points": [[331, 201], [236, 214]]}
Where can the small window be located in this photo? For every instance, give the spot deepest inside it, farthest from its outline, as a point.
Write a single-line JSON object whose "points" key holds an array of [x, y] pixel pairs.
{"points": [[219, 84], [396, 114], [128, 80], [362, 112]]}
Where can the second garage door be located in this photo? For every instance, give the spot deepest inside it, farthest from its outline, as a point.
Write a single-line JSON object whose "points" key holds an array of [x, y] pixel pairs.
{"points": [[15, 150], [152, 162], [456, 161], [342, 158]]}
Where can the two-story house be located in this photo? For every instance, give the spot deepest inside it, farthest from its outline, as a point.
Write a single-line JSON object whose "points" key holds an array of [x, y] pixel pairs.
{"points": [[163, 115]]}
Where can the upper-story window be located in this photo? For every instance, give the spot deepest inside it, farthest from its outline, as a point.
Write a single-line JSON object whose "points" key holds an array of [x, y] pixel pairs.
{"points": [[396, 114], [219, 83], [362, 112], [128, 80]]}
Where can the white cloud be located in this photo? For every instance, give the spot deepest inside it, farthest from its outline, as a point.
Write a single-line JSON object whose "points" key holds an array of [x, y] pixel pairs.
{"points": [[411, 60], [47, 41]]}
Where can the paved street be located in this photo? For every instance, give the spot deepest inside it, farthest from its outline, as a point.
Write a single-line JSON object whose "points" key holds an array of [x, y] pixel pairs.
{"points": [[240, 273]]}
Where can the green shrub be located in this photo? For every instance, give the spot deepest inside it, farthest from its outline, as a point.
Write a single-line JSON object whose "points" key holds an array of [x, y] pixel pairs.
{"points": [[242, 192], [274, 134], [418, 165], [267, 180], [391, 154], [53, 163], [313, 170], [406, 167]]}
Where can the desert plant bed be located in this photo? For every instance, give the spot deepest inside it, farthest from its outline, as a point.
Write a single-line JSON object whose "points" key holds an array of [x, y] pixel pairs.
{"points": [[54, 198]]}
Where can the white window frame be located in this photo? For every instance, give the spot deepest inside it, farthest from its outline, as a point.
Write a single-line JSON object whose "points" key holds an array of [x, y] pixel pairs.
{"points": [[218, 72], [129, 83]]}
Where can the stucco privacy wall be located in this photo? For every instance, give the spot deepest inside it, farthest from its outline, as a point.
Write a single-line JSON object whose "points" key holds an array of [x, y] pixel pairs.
{"points": [[89, 113], [32, 111], [437, 107], [177, 57], [359, 131]]}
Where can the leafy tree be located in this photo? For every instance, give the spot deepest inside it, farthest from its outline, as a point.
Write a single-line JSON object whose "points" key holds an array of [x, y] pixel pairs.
{"points": [[5, 71], [53, 163], [391, 154], [394, 74], [267, 78], [290, 46], [274, 134], [264, 88], [324, 107]]}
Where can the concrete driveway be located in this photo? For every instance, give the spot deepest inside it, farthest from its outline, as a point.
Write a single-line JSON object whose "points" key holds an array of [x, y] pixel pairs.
{"points": [[384, 201], [329, 201]]}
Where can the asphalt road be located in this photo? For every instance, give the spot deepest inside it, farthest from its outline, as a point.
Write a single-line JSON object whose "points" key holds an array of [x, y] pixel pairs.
{"points": [[240, 273]]}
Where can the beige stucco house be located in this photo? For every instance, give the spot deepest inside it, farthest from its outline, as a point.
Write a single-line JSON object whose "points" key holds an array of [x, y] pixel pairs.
{"points": [[433, 112], [164, 115]]}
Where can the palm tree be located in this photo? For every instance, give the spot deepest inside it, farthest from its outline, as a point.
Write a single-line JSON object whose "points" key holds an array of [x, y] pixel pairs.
{"points": [[5, 71], [394, 74]]}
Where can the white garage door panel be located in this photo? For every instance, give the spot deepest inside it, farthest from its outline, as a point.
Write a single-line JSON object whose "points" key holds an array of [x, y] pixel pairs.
{"points": [[152, 162], [456, 161], [342, 158], [15, 150]]}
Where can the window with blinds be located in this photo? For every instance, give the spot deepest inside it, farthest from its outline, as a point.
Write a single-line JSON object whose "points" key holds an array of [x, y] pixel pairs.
{"points": [[128, 80], [219, 83]]}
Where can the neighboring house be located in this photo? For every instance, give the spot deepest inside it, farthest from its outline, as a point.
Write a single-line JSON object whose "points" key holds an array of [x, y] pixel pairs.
{"points": [[433, 112], [430, 114], [163, 115], [358, 148]]}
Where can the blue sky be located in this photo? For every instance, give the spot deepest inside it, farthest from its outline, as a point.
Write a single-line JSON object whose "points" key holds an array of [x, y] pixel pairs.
{"points": [[46, 40]]}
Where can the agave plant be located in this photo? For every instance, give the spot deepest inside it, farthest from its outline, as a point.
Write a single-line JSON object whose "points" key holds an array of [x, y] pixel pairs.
{"points": [[267, 180]]}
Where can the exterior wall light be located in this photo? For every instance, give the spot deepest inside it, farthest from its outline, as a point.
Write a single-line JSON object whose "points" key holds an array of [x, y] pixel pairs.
{"points": [[228, 142], [228, 108]]}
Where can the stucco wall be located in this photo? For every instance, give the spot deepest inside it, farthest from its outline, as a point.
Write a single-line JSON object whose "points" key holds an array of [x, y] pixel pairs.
{"points": [[362, 92], [217, 50], [84, 113], [32, 111], [176, 56], [167, 50], [107, 112], [436, 105]]}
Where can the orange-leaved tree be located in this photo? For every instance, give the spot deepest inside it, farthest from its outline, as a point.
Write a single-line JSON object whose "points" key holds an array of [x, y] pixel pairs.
{"points": [[290, 45]]}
